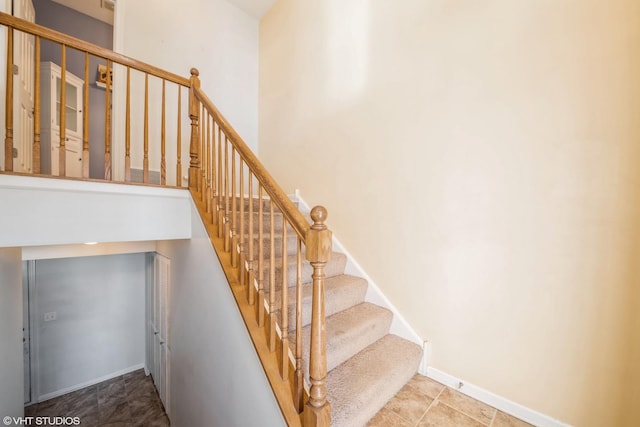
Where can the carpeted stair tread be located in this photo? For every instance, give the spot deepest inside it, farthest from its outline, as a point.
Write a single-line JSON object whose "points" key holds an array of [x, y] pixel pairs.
{"points": [[334, 267], [341, 292], [362, 385], [349, 332]]}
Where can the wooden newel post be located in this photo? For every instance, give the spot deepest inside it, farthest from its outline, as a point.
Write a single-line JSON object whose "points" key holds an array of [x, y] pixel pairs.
{"points": [[194, 149], [317, 411]]}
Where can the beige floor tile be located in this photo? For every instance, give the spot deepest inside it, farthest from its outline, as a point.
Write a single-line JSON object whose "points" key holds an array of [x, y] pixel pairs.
{"points": [[410, 404], [441, 415], [427, 386], [467, 405], [387, 418], [505, 420]]}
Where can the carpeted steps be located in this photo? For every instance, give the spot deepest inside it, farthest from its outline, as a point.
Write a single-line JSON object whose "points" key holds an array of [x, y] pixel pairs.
{"points": [[349, 332], [366, 365], [334, 267], [341, 292], [360, 387]]}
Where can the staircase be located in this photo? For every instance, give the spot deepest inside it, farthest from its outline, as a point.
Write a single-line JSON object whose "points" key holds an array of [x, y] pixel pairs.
{"points": [[366, 364], [326, 351]]}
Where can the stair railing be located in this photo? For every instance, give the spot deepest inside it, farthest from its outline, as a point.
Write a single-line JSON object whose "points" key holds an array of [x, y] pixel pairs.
{"points": [[149, 158], [263, 259], [235, 190]]}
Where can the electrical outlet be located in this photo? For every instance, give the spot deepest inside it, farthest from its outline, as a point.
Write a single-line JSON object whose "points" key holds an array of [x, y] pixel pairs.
{"points": [[48, 317]]}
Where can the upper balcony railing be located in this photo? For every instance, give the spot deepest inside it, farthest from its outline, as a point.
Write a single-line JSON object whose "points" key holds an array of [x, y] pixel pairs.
{"points": [[236, 195]]}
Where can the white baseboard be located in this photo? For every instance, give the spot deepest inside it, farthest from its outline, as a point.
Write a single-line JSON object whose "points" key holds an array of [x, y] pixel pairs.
{"points": [[66, 390], [399, 326], [505, 405]]}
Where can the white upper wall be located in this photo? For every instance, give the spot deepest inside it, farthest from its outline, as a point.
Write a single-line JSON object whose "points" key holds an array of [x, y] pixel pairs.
{"points": [[214, 36], [43, 211]]}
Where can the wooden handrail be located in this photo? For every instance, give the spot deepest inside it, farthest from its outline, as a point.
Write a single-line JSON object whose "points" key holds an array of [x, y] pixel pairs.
{"points": [[298, 222], [72, 42], [316, 238], [218, 156]]}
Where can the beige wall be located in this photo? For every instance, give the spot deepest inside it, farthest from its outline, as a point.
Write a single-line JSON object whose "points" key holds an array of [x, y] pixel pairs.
{"points": [[491, 150]]}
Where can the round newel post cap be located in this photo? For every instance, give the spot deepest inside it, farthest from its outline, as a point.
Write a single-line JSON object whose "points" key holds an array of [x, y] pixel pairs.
{"points": [[319, 216], [194, 72]]}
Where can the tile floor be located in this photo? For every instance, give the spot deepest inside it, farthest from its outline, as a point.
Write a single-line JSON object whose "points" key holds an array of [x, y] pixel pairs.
{"points": [[427, 403], [130, 400]]}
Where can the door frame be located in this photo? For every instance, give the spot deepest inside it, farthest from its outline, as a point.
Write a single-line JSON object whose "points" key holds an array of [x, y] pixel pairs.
{"points": [[29, 280]]}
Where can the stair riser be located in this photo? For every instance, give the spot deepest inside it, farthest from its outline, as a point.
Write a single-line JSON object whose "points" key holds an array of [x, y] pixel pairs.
{"points": [[337, 298], [333, 268], [266, 224], [348, 342], [266, 241]]}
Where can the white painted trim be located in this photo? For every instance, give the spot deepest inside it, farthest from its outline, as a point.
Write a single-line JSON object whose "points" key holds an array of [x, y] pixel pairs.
{"points": [[505, 405], [81, 250], [34, 334], [90, 383], [19, 182], [399, 326]]}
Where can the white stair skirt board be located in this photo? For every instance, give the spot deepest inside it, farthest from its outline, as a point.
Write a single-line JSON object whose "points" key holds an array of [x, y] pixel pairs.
{"points": [[57, 393], [399, 326], [505, 405]]}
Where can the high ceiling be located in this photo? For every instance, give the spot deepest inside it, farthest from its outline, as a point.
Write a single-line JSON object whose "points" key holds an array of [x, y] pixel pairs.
{"points": [[99, 8], [255, 8]]}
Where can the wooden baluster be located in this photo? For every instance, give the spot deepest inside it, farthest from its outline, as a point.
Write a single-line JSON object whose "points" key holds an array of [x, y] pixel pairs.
{"points": [[260, 302], [163, 141], [62, 153], [284, 309], [298, 382], [85, 119], [250, 261], [107, 125], [272, 280], [8, 108], [317, 411], [203, 152], [207, 143], [215, 184], [127, 131], [227, 215], [205, 156], [210, 159], [220, 187], [36, 111], [179, 140], [242, 247], [194, 163], [234, 211], [145, 158]]}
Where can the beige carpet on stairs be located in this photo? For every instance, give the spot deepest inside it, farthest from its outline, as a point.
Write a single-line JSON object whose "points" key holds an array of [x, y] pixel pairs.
{"points": [[367, 365]]}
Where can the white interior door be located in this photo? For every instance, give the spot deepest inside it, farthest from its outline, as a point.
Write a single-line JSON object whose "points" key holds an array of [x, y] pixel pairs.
{"points": [[26, 341], [24, 60], [159, 327]]}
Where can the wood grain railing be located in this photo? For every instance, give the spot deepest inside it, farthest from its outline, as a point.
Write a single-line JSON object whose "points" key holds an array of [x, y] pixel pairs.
{"points": [[264, 259], [222, 166], [147, 156]]}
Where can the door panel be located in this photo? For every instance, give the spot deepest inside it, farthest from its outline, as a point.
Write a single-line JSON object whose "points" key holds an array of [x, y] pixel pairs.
{"points": [[24, 59]]}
